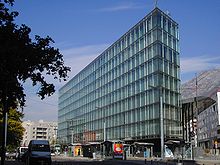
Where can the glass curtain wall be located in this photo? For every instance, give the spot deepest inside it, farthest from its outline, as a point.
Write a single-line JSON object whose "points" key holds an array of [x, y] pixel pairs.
{"points": [[122, 87]]}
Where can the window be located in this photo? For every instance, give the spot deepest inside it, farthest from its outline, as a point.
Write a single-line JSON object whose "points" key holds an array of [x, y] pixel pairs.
{"points": [[165, 38], [164, 23], [149, 39], [149, 27], [141, 43], [141, 29]]}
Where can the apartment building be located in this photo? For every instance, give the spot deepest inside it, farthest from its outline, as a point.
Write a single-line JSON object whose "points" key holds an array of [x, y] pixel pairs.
{"points": [[39, 130]]}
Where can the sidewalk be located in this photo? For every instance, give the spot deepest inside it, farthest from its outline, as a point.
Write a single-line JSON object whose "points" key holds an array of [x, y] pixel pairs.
{"points": [[141, 160]]}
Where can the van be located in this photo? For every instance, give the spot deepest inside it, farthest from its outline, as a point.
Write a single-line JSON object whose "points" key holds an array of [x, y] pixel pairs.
{"points": [[38, 152], [20, 152]]}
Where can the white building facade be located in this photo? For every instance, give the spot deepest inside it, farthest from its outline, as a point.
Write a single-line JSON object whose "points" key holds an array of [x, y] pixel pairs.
{"points": [[39, 130]]}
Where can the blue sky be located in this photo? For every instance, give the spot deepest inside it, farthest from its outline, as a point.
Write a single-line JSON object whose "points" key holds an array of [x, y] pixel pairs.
{"points": [[82, 29]]}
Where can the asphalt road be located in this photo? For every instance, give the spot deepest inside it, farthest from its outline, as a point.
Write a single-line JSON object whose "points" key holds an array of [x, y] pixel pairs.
{"points": [[84, 161]]}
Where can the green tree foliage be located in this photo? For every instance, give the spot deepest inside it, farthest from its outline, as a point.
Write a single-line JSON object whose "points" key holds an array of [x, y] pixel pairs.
{"points": [[23, 58], [15, 129]]}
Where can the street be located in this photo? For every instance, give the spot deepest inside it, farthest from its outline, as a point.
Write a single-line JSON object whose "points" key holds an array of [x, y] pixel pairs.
{"points": [[62, 160]]}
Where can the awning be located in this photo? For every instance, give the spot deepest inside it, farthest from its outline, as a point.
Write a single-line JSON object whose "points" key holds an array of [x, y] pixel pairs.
{"points": [[113, 141], [92, 143], [143, 144], [75, 144]]}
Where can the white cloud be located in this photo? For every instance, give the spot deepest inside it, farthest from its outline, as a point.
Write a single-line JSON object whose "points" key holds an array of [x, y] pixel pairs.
{"points": [[120, 7], [197, 64], [37, 109], [77, 58], [84, 50]]}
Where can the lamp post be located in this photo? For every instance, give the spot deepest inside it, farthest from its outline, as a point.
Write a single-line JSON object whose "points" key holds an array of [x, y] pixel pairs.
{"points": [[77, 131], [161, 120], [72, 136], [161, 126], [55, 133], [104, 130]]}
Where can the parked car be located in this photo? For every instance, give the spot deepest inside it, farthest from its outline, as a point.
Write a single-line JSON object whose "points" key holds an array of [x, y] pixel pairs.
{"points": [[10, 155], [38, 152], [20, 152]]}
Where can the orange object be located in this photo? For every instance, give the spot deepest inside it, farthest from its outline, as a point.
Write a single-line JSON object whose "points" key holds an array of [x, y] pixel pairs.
{"points": [[118, 148]]}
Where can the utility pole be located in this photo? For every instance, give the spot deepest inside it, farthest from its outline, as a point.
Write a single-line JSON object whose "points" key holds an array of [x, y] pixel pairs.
{"points": [[197, 114]]}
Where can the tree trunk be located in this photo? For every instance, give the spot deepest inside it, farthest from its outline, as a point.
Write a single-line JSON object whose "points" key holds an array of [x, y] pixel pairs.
{"points": [[4, 113]]}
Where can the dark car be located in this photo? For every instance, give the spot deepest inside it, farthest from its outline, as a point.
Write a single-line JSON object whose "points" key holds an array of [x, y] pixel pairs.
{"points": [[24, 156], [38, 152]]}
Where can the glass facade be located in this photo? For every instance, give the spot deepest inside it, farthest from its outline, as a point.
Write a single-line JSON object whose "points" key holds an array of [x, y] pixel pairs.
{"points": [[122, 87]]}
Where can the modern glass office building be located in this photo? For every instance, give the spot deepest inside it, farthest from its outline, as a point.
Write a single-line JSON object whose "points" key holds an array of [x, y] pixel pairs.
{"points": [[120, 90]]}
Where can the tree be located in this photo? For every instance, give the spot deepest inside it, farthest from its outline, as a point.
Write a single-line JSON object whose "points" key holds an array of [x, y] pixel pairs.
{"points": [[23, 58], [15, 129]]}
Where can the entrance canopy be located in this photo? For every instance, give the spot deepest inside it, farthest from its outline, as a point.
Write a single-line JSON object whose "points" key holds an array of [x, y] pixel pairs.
{"points": [[143, 144], [75, 144], [175, 142], [113, 141], [92, 143]]}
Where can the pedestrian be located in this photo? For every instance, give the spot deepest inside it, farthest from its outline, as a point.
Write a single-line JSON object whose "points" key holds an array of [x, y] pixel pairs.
{"points": [[78, 152]]}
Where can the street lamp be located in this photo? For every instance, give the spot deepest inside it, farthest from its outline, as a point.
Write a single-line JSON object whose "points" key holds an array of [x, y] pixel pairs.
{"points": [[161, 120], [104, 130], [72, 136], [70, 129], [104, 125], [77, 131], [55, 133], [161, 125]]}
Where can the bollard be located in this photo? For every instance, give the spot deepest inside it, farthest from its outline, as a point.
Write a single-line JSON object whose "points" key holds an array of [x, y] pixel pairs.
{"points": [[151, 162], [145, 161]]}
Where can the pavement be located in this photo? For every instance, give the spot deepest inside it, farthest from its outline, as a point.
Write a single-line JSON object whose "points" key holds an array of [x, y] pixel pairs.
{"points": [[141, 160]]}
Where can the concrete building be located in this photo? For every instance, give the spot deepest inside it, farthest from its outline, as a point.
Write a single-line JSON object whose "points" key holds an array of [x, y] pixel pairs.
{"points": [[120, 94], [39, 130], [201, 103]]}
